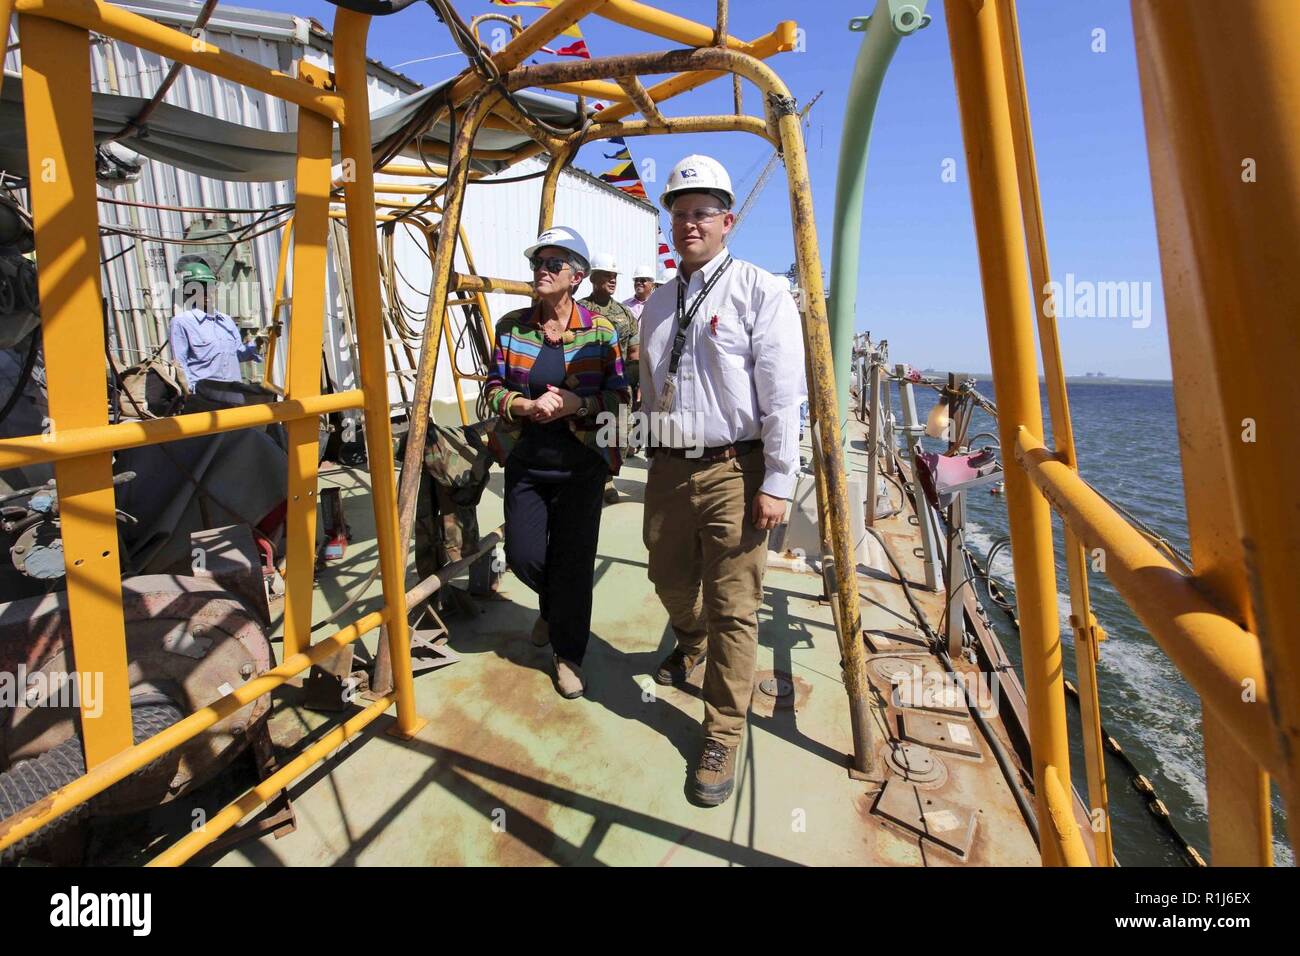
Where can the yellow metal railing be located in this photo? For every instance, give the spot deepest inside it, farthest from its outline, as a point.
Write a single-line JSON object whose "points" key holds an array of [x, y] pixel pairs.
{"points": [[1219, 86], [80, 442]]}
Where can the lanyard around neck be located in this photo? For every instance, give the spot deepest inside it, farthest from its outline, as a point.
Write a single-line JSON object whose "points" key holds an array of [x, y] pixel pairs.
{"points": [[684, 318]]}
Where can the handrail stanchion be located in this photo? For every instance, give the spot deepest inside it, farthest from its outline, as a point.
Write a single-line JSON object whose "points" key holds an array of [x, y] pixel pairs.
{"points": [[874, 433], [913, 430]]}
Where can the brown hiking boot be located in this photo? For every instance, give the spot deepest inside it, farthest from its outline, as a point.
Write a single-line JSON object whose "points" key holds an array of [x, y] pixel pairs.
{"points": [[715, 774], [541, 633], [568, 679], [677, 667]]}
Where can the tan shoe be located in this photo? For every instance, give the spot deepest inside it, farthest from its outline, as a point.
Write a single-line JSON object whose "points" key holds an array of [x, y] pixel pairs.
{"points": [[611, 493], [715, 774], [541, 633], [678, 667], [568, 679]]}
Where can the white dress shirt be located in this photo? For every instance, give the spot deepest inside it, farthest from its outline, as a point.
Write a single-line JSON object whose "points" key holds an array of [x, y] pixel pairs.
{"points": [[741, 375]]}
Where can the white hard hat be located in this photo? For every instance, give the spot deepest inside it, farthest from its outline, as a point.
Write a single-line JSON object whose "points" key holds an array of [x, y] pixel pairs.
{"points": [[565, 237], [698, 174], [643, 272], [603, 262], [666, 275]]}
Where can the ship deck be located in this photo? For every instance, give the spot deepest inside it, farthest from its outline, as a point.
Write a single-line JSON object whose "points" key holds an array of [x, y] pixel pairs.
{"points": [[507, 772]]}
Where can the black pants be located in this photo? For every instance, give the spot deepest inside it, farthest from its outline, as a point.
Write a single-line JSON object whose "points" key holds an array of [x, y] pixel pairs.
{"points": [[552, 527]]}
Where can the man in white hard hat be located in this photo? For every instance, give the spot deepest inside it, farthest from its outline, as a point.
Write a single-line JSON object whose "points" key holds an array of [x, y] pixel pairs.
{"points": [[604, 281], [723, 365], [643, 283]]}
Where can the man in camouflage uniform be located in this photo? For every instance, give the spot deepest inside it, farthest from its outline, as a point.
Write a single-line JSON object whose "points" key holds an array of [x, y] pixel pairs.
{"points": [[446, 513], [604, 280]]}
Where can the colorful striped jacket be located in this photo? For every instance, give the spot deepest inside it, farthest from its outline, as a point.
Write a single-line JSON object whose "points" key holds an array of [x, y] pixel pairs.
{"points": [[593, 364]]}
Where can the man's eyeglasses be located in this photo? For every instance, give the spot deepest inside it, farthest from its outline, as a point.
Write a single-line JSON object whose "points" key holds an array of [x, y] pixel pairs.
{"points": [[553, 264], [698, 216], [643, 281]]}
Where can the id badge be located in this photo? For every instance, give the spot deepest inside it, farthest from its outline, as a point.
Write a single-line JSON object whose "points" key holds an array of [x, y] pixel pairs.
{"points": [[668, 397]]}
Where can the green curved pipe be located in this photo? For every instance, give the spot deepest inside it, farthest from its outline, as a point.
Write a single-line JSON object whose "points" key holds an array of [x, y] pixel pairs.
{"points": [[891, 21]]}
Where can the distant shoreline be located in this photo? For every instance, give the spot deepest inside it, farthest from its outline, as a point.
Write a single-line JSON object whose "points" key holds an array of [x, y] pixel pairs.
{"points": [[1069, 379]]}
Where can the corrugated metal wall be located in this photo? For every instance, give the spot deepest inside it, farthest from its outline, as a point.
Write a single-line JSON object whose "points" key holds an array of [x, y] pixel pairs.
{"points": [[500, 220]]}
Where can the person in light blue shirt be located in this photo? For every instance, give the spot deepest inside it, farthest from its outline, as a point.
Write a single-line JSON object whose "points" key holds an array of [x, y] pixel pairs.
{"points": [[207, 343]]}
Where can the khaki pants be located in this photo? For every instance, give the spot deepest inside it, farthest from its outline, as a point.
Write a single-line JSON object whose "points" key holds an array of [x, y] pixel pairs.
{"points": [[706, 563]]}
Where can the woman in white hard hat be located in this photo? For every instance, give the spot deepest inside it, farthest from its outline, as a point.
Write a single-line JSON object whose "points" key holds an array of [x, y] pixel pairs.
{"points": [[557, 367]]}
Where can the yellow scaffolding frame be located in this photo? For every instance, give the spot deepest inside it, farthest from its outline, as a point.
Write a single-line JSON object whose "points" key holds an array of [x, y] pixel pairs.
{"points": [[79, 440]]}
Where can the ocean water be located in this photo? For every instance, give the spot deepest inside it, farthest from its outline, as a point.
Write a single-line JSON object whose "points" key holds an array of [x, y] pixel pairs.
{"points": [[1127, 443]]}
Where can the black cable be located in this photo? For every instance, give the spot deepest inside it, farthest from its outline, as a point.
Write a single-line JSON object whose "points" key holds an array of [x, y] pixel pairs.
{"points": [[24, 376], [374, 8]]}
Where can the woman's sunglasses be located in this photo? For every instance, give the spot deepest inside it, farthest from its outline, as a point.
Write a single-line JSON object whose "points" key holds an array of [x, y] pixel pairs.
{"points": [[553, 264]]}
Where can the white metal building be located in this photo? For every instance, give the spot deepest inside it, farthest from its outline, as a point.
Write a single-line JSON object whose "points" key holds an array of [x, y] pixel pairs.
{"points": [[499, 220]]}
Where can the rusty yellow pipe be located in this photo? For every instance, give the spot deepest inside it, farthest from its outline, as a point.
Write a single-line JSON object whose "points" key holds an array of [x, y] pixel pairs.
{"points": [[128, 761], [230, 815], [680, 125], [550, 183], [463, 282], [403, 189], [113, 21], [350, 30], [100, 439], [1219, 659], [833, 483], [596, 89], [442, 259], [406, 169], [1083, 624], [763, 47], [649, 19], [1060, 819], [535, 36], [995, 202]]}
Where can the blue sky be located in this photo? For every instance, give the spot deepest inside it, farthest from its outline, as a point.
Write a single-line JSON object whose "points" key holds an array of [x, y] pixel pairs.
{"points": [[918, 278]]}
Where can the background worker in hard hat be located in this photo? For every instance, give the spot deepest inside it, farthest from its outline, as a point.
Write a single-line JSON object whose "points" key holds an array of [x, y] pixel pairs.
{"points": [[555, 369], [643, 283], [604, 282], [732, 381], [207, 343]]}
